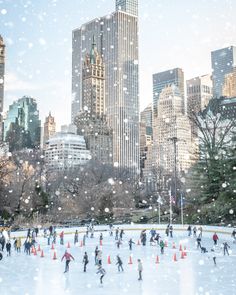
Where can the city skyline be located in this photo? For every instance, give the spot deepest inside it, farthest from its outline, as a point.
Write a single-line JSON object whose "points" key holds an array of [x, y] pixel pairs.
{"points": [[25, 47]]}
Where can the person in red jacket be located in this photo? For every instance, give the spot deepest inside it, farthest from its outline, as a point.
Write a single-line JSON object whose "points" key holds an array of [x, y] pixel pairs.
{"points": [[68, 257], [215, 238], [62, 238]]}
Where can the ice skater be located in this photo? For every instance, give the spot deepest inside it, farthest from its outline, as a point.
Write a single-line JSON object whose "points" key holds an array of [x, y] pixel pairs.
{"points": [[8, 248], [199, 246], [167, 230], [189, 230], [68, 258], [76, 237], [117, 234], [195, 232], [140, 269], [84, 240], [121, 234], [62, 238], [85, 261], [130, 244], [119, 263], [225, 248], [171, 231], [118, 243], [215, 238], [96, 255], [213, 255], [102, 273], [162, 245]]}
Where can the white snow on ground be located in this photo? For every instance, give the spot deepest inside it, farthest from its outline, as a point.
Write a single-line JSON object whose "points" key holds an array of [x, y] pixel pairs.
{"points": [[196, 274]]}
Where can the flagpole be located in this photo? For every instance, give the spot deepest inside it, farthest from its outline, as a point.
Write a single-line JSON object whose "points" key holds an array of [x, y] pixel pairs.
{"points": [[182, 211], [170, 207]]}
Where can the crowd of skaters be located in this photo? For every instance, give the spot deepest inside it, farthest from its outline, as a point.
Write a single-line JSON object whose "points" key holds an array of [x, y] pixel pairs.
{"points": [[51, 235]]}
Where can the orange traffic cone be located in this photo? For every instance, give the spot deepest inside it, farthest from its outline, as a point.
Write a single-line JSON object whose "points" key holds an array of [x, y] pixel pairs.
{"points": [[68, 245], [32, 250], [39, 248], [42, 254], [157, 259], [166, 244], [180, 248], [130, 260], [100, 242], [35, 252], [174, 257], [52, 248], [138, 243], [185, 252], [173, 246], [81, 243], [182, 255], [109, 259], [54, 255]]}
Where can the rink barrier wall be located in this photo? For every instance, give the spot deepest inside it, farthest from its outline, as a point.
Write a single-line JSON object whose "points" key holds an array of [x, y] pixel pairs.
{"points": [[226, 231]]}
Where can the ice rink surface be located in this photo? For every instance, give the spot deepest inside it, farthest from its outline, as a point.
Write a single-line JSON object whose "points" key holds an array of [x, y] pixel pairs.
{"points": [[195, 274]]}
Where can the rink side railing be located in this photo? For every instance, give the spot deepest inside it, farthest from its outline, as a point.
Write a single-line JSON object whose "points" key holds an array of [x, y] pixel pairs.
{"points": [[135, 227]]}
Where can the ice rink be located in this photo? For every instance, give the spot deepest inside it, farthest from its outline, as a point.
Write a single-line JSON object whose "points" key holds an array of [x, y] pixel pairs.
{"points": [[195, 274]]}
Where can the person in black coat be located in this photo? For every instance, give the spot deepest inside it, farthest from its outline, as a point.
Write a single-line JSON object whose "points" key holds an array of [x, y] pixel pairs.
{"points": [[85, 261], [130, 244], [8, 247], [119, 263]]}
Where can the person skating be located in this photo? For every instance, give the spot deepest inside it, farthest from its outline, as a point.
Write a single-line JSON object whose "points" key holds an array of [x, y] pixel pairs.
{"points": [[85, 261], [62, 238], [68, 258], [140, 269], [171, 231], [99, 257], [130, 244], [157, 237], [162, 245], [87, 231], [111, 230], [215, 238], [189, 230], [199, 243], [234, 236], [8, 248], [29, 233], [118, 243], [36, 231], [76, 237], [18, 245], [84, 239], [119, 263], [200, 231], [54, 237], [194, 232], [92, 232], [96, 255], [121, 234], [102, 273], [225, 248], [213, 255], [167, 230], [101, 238], [143, 237], [117, 234]]}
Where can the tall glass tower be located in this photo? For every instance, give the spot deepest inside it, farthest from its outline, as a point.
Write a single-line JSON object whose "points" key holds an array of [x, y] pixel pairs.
{"points": [[128, 6], [2, 72], [167, 78], [222, 62], [116, 36]]}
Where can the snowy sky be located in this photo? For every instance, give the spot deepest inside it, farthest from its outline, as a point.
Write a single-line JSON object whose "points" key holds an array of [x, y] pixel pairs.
{"points": [[173, 33]]}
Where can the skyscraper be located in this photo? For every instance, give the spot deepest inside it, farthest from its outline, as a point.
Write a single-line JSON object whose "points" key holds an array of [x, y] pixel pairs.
{"points": [[2, 73], [117, 40], [23, 118], [93, 82], [167, 78], [222, 63], [49, 128], [229, 86], [128, 6], [170, 124], [91, 121], [199, 92]]}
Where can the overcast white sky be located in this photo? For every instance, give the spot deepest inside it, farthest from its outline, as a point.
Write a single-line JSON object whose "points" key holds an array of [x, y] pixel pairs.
{"points": [[173, 33]]}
